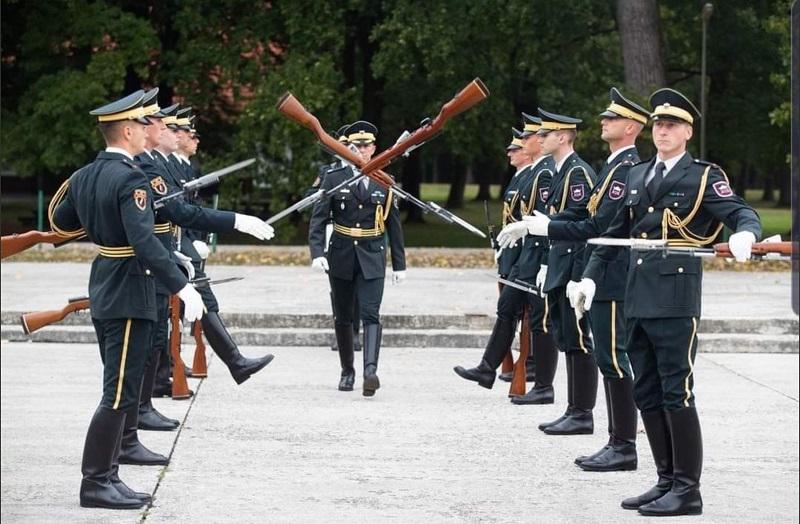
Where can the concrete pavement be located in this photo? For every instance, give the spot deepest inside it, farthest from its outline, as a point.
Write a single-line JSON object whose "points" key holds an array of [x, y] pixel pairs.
{"points": [[286, 446]]}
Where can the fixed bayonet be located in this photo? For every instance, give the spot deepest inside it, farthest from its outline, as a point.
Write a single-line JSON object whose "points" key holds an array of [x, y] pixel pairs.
{"points": [[518, 284], [206, 281], [204, 181]]}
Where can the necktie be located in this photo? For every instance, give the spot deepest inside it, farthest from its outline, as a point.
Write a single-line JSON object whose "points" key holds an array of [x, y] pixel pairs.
{"points": [[652, 187]]}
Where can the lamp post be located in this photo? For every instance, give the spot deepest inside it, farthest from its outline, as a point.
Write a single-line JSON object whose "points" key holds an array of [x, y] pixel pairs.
{"points": [[708, 8]]}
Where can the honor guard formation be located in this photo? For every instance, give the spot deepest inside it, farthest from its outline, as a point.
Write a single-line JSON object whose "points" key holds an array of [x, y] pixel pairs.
{"points": [[578, 262]]}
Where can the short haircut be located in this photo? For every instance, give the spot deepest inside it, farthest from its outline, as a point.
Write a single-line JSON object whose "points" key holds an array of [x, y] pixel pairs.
{"points": [[571, 135], [111, 131]]}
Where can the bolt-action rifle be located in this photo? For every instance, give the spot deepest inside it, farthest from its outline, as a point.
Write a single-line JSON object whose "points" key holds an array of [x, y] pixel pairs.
{"points": [[39, 319]]}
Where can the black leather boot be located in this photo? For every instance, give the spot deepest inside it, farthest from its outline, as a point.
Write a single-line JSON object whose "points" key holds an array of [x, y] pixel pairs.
{"points": [[655, 424], [149, 418], [582, 381], [97, 490], [570, 396], [356, 335], [545, 358], [497, 347], [344, 343], [132, 451], [687, 464], [372, 348], [620, 454], [123, 488], [582, 458], [240, 367]]}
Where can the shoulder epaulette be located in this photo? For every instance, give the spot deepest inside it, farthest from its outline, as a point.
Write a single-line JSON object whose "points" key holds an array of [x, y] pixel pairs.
{"points": [[705, 163]]}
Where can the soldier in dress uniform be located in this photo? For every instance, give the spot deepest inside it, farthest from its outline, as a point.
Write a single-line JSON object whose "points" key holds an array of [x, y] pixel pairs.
{"points": [[572, 184], [166, 177], [621, 123], [685, 201], [111, 200], [362, 214], [532, 183]]}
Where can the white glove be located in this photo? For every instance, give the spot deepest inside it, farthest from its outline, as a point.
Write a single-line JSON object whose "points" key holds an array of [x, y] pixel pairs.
{"points": [[581, 295], [201, 248], [541, 276], [186, 263], [741, 244], [537, 223], [320, 263], [511, 234], [398, 277], [253, 226], [193, 307]]}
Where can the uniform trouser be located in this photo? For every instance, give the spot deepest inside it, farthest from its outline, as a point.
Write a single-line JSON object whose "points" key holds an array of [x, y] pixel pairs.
{"points": [[161, 339], [124, 346], [607, 320], [662, 353], [571, 334], [511, 302], [369, 293]]}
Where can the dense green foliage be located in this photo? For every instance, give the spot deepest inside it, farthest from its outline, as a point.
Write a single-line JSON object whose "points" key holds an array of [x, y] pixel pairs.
{"points": [[393, 62]]}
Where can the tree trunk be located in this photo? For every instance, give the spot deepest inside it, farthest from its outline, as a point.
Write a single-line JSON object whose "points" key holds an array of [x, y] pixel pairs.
{"points": [[642, 50], [458, 180], [769, 188], [483, 176], [412, 182], [785, 184]]}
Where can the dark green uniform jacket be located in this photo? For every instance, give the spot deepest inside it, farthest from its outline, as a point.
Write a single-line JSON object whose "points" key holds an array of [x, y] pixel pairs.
{"points": [[534, 192], [692, 200]]}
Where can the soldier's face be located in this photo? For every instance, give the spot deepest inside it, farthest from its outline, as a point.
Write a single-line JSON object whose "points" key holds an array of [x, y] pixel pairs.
{"points": [[516, 157], [612, 129], [532, 146], [670, 137], [136, 136], [366, 151], [154, 131], [168, 141], [549, 141]]}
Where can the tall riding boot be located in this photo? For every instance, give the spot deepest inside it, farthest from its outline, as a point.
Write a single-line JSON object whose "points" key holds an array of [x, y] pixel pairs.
{"points": [[97, 491], [162, 386], [223, 345], [356, 325], [658, 434], [609, 413], [497, 347], [620, 455], [570, 395], [687, 464], [372, 348], [133, 451], [530, 364], [344, 342], [114, 475], [583, 379], [149, 418], [545, 356]]}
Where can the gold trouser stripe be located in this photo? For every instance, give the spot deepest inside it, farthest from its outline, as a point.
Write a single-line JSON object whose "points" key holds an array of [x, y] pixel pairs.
{"points": [[580, 333], [117, 252], [357, 232], [546, 313], [614, 338], [122, 361], [691, 366]]}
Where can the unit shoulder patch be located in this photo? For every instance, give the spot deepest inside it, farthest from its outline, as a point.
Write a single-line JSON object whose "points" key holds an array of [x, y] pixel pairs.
{"points": [[159, 186], [616, 190], [140, 199], [722, 189]]}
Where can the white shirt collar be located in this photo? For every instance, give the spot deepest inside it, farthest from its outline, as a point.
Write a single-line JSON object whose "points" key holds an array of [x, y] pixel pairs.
{"points": [[183, 158], [112, 149], [669, 162], [148, 153], [618, 152], [523, 168], [560, 164]]}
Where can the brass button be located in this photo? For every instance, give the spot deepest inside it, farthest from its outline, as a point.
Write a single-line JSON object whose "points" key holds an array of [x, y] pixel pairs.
{"points": [[360, 206], [639, 262], [680, 270], [675, 204], [536, 243], [644, 235], [355, 242], [146, 271], [569, 250], [358, 225], [651, 209], [381, 247]]}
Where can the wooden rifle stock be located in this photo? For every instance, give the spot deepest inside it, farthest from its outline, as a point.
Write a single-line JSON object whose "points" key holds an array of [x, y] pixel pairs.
{"points": [[18, 242], [38, 319], [473, 93], [180, 388], [520, 374], [758, 249], [199, 364]]}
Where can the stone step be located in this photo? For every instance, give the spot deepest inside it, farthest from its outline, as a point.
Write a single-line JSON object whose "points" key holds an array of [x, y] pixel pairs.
{"points": [[763, 326], [432, 338]]}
